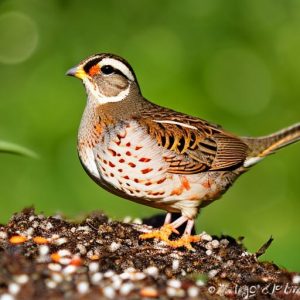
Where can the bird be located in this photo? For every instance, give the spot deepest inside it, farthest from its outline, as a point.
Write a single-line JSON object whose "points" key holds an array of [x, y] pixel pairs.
{"points": [[156, 156]]}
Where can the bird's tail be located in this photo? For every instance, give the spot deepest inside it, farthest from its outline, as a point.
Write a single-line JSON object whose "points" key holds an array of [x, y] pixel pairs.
{"points": [[265, 145]]}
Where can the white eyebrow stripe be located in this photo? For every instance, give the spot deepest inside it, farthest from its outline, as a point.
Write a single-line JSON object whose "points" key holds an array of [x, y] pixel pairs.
{"points": [[117, 65], [176, 123]]}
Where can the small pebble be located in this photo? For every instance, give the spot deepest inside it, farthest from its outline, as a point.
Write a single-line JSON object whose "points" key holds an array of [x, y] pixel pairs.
{"points": [[127, 219], [60, 241], [81, 249], [3, 235], [109, 274], [137, 221], [51, 284]]}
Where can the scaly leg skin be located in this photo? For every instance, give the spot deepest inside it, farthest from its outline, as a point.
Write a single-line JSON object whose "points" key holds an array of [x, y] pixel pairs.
{"points": [[168, 228]]}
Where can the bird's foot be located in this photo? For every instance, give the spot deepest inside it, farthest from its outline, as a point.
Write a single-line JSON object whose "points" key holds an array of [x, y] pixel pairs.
{"points": [[164, 233]]}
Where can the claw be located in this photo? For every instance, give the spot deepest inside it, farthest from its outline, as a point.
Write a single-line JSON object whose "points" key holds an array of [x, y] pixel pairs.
{"points": [[165, 231]]}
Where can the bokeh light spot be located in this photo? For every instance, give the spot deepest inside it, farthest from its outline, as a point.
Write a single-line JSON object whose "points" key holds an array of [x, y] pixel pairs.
{"points": [[238, 81], [19, 37]]}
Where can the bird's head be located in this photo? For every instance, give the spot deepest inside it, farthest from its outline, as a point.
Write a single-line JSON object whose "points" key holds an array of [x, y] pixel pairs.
{"points": [[107, 77]]}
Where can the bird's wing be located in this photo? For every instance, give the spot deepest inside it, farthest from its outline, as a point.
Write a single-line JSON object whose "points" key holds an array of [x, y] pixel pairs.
{"points": [[195, 145]]}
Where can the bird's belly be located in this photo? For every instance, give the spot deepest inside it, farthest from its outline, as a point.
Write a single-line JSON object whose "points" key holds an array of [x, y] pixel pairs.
{"points": [[129, 163]]}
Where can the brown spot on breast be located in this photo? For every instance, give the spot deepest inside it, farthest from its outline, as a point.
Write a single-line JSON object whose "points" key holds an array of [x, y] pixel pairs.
{"points": [[126, 177], [121, 160], [112, 152], [111, 164], [185, 183], [144, 159], [136, 180], [128, 153], [120, 170], [105, 161], [112, 175], [161, 180], [177, 191], [138, 147], [207, 184], [128, 144], [148, 183], [147, 170], [132, 165]]}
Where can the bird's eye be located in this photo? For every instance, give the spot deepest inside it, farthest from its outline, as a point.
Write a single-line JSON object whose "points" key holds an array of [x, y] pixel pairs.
{"points": [[107, 69]]}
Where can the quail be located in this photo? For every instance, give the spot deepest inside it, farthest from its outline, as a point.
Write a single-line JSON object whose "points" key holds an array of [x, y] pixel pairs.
{"points": [[156, 156]]}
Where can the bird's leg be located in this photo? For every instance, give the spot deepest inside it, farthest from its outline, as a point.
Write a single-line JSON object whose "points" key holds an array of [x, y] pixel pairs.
{"points": [[168, 228], [168, 218]]}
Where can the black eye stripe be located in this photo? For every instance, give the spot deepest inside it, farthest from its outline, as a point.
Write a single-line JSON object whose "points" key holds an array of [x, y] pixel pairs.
{"points": [[91, 63]]}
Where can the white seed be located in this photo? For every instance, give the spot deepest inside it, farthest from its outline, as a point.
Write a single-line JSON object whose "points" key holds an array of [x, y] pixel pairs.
{"points": [[73, 229], [296, 279], [171, 292], [193, 292], [93, 267], [200, 282], [60, 241], [126, 288], [215, 243], [208, 252], [224, 242], [175, 283], [51, 284], [83, 287], [127, 219], [116, 284], [65, 260], [64, 252], [137, 221], [175, 264], [205, 237], [109, 273], [49, 226], [70, 269], [152, 271], [3, 235], [81, 249], [96, 278], [109, 292], [54, 267], [21, 279], [14, 288], [137, 276], [43, 250], [7, 297], [35, 224], [212, 273], [57, 277], [114, 246], [31, 218]]}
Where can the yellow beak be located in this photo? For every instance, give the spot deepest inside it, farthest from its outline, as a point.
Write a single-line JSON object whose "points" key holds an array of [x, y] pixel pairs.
{"points": [[77, 71]]}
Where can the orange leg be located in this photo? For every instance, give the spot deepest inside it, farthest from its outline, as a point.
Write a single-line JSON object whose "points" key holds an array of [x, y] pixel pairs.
{"points": [[168, 228]]}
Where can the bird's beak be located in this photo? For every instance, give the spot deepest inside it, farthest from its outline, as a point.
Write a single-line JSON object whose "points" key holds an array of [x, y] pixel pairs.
{"points": [[77, 71]]}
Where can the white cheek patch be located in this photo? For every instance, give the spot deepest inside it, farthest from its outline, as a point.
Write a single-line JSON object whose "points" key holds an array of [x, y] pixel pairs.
{"points": [[95, 96], [117, 65]]}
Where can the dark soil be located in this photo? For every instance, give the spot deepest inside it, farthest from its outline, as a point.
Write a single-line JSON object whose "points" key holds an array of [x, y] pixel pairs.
{"points": [[51, 258]]}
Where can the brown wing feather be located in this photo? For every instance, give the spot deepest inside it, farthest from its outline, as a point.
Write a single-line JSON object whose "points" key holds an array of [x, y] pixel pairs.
{"points": [[197, 145]]}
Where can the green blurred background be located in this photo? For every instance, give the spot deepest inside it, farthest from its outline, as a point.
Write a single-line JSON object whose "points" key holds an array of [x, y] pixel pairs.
{"points": [[235, 63]]}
